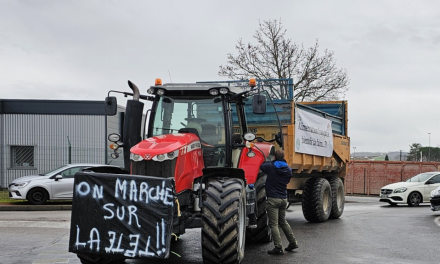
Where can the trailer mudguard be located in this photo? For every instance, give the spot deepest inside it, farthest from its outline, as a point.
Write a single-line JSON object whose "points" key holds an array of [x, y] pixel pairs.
{"points": [[121, 216]]}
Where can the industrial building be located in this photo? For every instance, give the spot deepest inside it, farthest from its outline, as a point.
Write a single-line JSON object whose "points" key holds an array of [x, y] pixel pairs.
{"points": [[37, 136]]}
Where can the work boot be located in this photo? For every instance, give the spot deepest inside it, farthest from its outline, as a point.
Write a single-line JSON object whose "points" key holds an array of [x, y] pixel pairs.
{"points": [[275, 251], [291, 246]]}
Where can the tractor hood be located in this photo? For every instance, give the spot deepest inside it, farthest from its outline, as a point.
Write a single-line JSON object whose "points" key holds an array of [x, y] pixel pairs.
{"points": [[150, 148]]}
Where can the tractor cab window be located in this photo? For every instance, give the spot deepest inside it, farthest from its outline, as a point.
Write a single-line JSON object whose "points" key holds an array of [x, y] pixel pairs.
{"points": [[202, 116]]}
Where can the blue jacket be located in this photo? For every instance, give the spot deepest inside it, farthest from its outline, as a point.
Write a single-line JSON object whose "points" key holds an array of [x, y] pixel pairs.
{"points": [[278, 176]]}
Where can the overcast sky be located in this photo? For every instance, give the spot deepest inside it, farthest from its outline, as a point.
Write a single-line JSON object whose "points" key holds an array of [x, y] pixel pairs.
{"points": [[81, 49]]}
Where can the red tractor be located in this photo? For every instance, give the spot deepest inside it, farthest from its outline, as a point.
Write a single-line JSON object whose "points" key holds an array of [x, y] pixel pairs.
{"points": [[199, 147]]}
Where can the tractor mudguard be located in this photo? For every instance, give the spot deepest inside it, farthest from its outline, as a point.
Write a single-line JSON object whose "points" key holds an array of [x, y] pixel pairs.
{"points": [[251, 165], [121, 216]]}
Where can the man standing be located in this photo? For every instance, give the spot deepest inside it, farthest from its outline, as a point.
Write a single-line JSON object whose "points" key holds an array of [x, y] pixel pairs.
{"points": [[278, 176]]}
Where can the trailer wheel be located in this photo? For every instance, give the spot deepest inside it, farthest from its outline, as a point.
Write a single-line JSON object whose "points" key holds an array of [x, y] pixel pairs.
{"points": [[262, 233], [95, 259], [317, 200], [338, 197], [223, 221]]}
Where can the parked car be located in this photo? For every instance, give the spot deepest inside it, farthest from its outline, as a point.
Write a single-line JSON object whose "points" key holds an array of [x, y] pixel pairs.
{"points": [[435, 200], [413, 191], [56, 184]]}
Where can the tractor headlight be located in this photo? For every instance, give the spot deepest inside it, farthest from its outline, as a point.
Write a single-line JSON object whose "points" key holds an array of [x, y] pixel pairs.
{"points": [[136, 157], [170, 155], [150, 91], [224, 90], [160, 91], [114, 137], [213, 92], [250, 154]]}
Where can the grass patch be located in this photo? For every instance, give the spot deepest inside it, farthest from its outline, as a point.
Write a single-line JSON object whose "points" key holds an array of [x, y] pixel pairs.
{"points": [[4, 197]]}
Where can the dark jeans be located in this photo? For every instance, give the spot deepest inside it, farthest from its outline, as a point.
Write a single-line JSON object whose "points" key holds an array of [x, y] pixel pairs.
{"points": [[276, 211]]}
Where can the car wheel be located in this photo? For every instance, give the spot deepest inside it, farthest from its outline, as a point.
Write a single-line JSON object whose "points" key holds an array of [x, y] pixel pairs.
{"points": [[37, 196], [414, 199]]}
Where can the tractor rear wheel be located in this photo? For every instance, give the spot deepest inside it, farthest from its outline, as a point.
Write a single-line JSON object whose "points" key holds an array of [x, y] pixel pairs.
{"points": [[262, 233], [338, 197], [223, 221], [317, 200], [95, 259]]}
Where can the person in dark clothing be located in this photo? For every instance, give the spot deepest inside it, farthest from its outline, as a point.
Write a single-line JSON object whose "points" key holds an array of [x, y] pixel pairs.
{"points": [[278, 176]]}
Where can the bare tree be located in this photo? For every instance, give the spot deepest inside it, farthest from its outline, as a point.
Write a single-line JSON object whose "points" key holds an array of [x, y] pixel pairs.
{"points": [[314, 77]]}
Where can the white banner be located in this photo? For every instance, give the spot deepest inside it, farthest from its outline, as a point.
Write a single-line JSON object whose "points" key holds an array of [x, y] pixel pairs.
{"points": [[313, 134]]}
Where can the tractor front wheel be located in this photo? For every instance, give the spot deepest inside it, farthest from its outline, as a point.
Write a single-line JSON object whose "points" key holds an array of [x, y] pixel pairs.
{"points": [[223, 221]]}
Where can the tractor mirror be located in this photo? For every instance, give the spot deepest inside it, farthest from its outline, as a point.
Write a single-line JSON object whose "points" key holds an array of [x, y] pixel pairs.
{"points": [[111, 105], [259, 104]]}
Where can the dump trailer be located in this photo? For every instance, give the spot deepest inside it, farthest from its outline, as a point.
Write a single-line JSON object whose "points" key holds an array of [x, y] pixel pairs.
{"points": [[196, 165], [319, 169]]}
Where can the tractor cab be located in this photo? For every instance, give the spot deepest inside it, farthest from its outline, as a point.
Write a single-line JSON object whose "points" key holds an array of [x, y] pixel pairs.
{"points": [[216, 114]]}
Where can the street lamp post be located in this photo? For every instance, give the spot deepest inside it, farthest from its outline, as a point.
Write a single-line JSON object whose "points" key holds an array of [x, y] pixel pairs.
{"points": [[354, 153], [429, 147]]}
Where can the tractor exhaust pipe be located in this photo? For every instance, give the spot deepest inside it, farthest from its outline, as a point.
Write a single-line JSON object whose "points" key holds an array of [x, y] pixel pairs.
{"points": [[136, 93], [132, 124]]}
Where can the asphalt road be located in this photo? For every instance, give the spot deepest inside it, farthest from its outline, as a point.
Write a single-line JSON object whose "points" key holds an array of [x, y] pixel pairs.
{"points": [[367, 232]]}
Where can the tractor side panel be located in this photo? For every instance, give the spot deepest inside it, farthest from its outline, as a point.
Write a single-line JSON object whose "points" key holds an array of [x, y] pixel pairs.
{"points": [[189, 166]]}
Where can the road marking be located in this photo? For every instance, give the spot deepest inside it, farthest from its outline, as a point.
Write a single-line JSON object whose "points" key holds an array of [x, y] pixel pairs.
{"points": [[36, 224], [50, 261]]}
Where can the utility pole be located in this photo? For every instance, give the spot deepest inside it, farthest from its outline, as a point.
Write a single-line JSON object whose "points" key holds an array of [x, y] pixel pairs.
{"points": [[429, 147]]}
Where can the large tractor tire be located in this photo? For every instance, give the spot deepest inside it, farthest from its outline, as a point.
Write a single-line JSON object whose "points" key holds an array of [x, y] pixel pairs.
{"points": [[223, 221], [317, 200], [262, 233], [95, 259], [338, 197]]}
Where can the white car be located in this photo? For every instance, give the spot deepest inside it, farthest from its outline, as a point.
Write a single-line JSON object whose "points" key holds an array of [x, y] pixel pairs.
{"points": [[53, 185], [435, 200], [413, 191]]}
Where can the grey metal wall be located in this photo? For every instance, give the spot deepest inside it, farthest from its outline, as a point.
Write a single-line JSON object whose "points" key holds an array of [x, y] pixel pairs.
{"points": [[49, 134]]}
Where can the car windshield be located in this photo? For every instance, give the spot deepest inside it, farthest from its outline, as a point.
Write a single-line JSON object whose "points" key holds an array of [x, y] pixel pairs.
{"points": [[422, 177]]}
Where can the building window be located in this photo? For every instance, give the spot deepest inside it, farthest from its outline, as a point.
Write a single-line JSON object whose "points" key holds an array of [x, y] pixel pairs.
{"points": [[22, 156]]}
